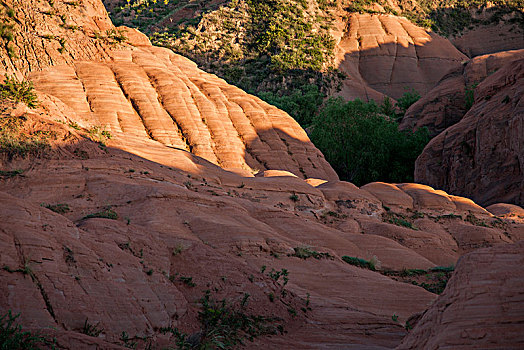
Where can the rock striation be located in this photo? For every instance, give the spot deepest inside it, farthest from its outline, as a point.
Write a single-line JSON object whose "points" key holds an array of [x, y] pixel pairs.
{"points": [[453, 96], [481, 156], [144, 198], [152, 93], [387, 55], [481, 306]]}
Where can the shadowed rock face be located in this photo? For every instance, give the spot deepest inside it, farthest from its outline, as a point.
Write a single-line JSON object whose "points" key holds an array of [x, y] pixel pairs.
{"points": [[486, 39], [481, 306], [384, 55], [111, 234], [446, 104], [179, 215], [482, 155]]}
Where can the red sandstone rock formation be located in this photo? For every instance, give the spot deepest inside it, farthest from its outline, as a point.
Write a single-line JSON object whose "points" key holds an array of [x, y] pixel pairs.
{"points": [[446, 104], [481, 156], [385, 55], [486, 39], [172, 210], [50, 33], [224, 228], [482, 306]]}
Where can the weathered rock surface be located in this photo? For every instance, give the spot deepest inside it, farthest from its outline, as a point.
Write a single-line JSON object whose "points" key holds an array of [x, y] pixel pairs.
{"points": [[128, 233], [385, 55], [50, 33], [447, 103], [481, 157], [486, 39], [223, 227], [481, 307], [503, 209], [152, 93]]}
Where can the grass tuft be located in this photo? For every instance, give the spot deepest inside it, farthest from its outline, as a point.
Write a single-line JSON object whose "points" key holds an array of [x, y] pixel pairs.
{"points": [[58, 208], [107, 213], [360, 262], [306, 252]]}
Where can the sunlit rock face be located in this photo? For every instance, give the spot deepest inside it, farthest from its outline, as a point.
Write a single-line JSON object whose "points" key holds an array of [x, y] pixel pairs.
{"points": [[389, 55], [146, 197]]}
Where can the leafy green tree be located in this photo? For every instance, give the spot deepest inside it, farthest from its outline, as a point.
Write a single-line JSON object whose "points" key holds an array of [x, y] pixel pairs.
{"points": [[388, 108], [301, 104], [404, 102], [364, 145]]}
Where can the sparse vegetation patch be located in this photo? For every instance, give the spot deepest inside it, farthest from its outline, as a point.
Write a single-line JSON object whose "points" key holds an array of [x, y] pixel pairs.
{"points": [[13, 337], [398, 219], [225, 325], [107, 213], [360, 262], [60, 208], [18, 91], [306, 252], [433, 280], [16, 142]]}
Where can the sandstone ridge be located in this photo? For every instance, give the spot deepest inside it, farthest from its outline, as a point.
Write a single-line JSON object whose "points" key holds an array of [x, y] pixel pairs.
{"points": [[141, 201], [481, 155], [138, 217], [379, 53]]}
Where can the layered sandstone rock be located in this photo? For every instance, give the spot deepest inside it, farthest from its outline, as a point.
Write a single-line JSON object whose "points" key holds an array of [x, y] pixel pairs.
{"points": [[151, 93], [128, 232], [387, 55], [178, 215], [448, 102], [481, 156], [482, 306], [486, 39], [47, 33]]}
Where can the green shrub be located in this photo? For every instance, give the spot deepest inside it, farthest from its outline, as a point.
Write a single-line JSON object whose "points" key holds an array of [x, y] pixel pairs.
{"points": [[302, 104], [275, 275], [294, 197], [360, 262], [13, 337], [107, 213], [433, 280], [398, 219], [18, 91], [447, 269], [116, 35], [405, 101], [188, 281], [472, 219], [363, 145], [58, 208], [99, 134], [10, 173], [306, 252], [225, 326]]}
